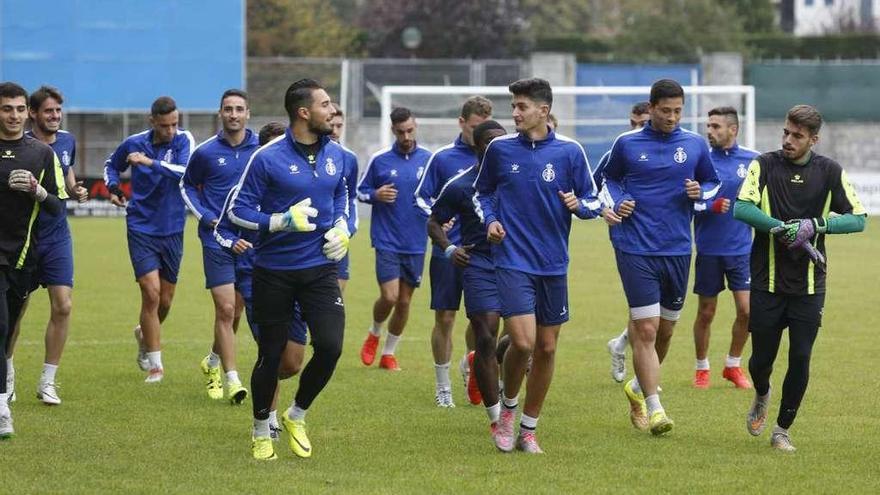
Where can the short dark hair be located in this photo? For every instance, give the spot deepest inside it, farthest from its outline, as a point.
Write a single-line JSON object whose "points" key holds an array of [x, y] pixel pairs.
{"points": [[299, 95], [640, 108], [483, 129], [234, 92], [400, 114], [42, 94], [665, 88], [163, 106], [534, 88], [10, 89], [270, 131], [805, 116], [728, 112], [337, 110], [476, 105]]}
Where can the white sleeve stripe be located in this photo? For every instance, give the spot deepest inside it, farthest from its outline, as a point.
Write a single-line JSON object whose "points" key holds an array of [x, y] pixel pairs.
{"points": [[365, 197], [188, 201], [712, 192], [238, 221], [174, 168], [422, 204], [452, 179]]}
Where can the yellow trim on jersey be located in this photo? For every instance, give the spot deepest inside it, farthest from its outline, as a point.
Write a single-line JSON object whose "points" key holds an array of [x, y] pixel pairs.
{"points": [[60, 183], [858, 208], [27, 240], [771, 257], [751, 187]]}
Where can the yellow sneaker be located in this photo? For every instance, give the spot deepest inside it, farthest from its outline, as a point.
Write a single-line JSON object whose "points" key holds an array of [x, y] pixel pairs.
{"points": [[262, 449], [660, 423], [236, 393], [296, 436], [213, 382], [638, 412]]}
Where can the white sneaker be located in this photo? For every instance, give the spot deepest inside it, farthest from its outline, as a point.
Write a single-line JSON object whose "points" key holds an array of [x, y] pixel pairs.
{"points": [[142, 361], [155, 375], [443, 398], [48, 393], [618, 362], [6, 430], [780, 440]]}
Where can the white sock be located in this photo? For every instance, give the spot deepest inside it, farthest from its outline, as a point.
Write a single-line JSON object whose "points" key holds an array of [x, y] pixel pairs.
{"points": [[296, 413], [511, 403], [155, 359], [4, 404], [621, 341], [441, 374], [779, 429], [48, 374], [261, 427], [463, 363], [273, 417], [376, 329], [527, 422], [635, 386], [232, 377], [653, 403], [213, 360], [390, 344], [9, 367], [733, 362], [703, 364], [494, 412]]}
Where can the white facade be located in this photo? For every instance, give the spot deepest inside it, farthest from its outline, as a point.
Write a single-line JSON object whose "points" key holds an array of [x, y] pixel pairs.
{"points": [[817, 17]]}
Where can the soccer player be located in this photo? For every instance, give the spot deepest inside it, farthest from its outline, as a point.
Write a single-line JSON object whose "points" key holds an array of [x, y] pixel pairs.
{"points": [[663, 169], [30, 180], [446, 277], [801, 188], [351, 176], [293, 192], [397, 232], [155, 218], [214, 167], [529, 185], [480, 286], [723, 246], [53, 245]]}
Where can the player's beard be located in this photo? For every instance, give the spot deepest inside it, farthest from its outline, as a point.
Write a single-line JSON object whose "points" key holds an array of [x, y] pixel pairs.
{"points": [[320, 130], [45, 130]]}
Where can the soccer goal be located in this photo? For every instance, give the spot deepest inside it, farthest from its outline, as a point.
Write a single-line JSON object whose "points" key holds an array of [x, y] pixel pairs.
{"points": [[594, 115]]}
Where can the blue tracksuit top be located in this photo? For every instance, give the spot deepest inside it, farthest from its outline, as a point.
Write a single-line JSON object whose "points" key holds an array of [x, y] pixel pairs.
{"points": [[213, 169], [721, 234], [444, 164], [650, 167], [155, 207], [456, 199], [278, 176], [401, 226], [519, 184], [351, 177], [54, 228]]}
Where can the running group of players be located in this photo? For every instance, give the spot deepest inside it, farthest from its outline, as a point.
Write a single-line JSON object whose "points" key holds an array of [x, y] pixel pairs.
{"points": [[276, 210]]}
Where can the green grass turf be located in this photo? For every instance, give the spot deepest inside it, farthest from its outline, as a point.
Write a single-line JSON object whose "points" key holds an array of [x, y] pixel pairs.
{"points": [[377, 432]]}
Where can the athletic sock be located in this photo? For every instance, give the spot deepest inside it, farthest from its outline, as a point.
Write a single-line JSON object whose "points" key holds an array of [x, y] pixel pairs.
{"points": [[511, 403], [390, 344], [621, 341], [261, 427], [528, 423], [48, 374], [213, 360], [653, 403], [9, 367], [273, 418], [494, 412], [376, 329], [296, 413], [733, 362], [637, 389], [4, 401], [155, 359], [232, 377], [779, 429], [441, 374], [703, 364]]}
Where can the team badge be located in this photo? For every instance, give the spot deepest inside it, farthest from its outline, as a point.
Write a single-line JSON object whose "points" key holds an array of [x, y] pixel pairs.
{"points": [[65, 158], [643, 157], [294, 169], [330, 167], [168, 156], [548, 174], [741, 171], [514, 168], [393, 172], [419, 172], [679, 156], [221, 161]]}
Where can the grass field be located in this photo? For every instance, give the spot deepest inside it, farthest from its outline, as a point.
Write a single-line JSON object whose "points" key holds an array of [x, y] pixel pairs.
{"points": [[377, 432]]}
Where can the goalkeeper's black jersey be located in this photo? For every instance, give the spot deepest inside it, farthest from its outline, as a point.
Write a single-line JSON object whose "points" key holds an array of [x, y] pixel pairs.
{"points": [[785, 190], [18, 210]]}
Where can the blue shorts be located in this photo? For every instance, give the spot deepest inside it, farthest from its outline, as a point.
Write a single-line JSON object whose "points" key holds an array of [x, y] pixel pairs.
{"points": [[480, 291], [244, 283], [407, 267], [654, 285], [343, 268], [446, 281], [710, 271], [151, 252], [55, 262], [545, 296], [219, 267]]}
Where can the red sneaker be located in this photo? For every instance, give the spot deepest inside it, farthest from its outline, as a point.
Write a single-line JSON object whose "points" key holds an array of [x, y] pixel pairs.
{"points": [[473, 391], [368, 350], [737, 376], [701, 379], [388, 362]]}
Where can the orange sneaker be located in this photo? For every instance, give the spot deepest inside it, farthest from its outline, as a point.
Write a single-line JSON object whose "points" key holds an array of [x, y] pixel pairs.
{"points": [[368, 350], [701, 379], [473, 390], [737, 376], [388, 362]]}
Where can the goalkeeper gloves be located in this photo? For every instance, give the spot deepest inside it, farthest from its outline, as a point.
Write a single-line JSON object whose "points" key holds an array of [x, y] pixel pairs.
{"points": [[337, 238], [24, 181], [295, 219], [799, 233]]}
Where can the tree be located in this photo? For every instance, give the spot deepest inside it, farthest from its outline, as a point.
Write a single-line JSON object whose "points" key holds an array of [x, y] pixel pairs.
{"points": [[757, 16], [303, 28]]}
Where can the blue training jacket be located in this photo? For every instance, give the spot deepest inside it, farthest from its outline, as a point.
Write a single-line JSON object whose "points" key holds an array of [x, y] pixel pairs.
{"points": [[213, 169], [401, 226], [278, 176], [456, 199], [721, 234], [351, 178], [519, 184], [650, 167], [155, 206], [54, 228]]}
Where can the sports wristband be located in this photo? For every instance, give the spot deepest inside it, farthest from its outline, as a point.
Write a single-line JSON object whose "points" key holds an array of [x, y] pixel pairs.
{"points": [[449, 251]]}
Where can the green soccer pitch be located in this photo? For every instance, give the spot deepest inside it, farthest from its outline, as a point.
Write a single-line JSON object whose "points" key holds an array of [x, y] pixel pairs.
{"points": [[380, 432]]}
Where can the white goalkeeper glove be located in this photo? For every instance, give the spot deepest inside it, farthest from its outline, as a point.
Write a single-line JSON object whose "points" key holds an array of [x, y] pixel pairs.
{"points": [[295, 219], [337, 242], [24, 181]]}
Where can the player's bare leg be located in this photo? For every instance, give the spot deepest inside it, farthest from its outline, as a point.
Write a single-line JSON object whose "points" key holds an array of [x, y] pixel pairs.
{"points": [[441, 348], [739, 336]]}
